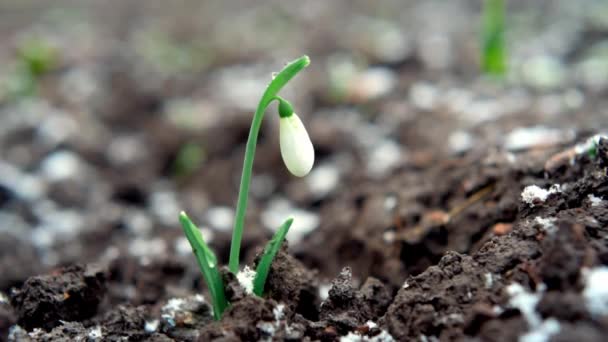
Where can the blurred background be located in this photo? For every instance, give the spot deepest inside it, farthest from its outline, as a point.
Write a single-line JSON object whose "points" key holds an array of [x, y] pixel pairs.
{"points": [[117, 114]]}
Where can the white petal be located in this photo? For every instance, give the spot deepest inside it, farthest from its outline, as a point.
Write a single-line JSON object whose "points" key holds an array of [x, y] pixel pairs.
{"points": [[296, 148]]}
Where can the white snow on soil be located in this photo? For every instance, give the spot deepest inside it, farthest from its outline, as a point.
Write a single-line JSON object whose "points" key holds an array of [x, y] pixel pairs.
{"points": [[596, 290], [533, 192]]}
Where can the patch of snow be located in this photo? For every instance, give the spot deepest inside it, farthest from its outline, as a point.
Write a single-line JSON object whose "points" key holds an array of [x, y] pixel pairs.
{"points": [[141, 247], [138, 222], [279, 209], [547, 224], [383, 158], [36, 333], [527, 137], [405, 285], [383, 336], [452, 318], [268, 328], [424, 338], [497, 310], [371, 324], [525, 302], [16, 333], [165, 206], [176, 306], [489, 280], [61, 165], [373, 83], [389, 236], [151, 326], [543, 332], [533, 192], [424, 96], [324, 291], [55, 224], [3, 298], [279, 312], [221, 218], [126, 150], [596, 291], [594, 200], [182, 246], [390, 203], [57, 128], [245, 278], [460, 141], [95, 333], [323, 179]]}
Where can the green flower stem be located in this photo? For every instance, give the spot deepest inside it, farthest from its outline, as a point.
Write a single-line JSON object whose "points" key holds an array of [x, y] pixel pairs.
{"points": [[278, 82]]}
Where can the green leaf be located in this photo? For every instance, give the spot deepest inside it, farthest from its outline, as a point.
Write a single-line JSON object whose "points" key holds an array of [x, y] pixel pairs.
{"points": [[270, 251], [493, 38], [208, 264]]}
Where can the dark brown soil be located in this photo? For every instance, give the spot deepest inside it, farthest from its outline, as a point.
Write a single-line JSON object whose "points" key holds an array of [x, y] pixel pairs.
{"points": [[443, 206]]}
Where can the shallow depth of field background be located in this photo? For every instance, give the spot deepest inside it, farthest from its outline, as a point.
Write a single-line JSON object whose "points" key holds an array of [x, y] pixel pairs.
{"points": [[116, 115]]}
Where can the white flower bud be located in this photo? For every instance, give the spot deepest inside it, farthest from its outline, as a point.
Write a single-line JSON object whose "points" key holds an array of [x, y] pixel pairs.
{"points": [[296, 148]]}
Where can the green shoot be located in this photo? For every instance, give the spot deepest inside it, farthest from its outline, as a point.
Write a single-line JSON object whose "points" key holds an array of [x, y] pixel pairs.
{"points": [[188, 160], [493, 57], [270, 251], [297, 152], [277, 83], [208, 265], [36, 57]]}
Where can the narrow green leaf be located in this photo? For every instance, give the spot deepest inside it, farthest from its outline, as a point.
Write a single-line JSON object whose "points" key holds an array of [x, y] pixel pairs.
{"points": [[208, 264], [493, 38], [270, 251]]}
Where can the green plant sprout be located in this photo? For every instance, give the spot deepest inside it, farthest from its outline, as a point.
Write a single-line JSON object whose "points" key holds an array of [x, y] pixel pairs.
{"points": [[493, 57], [188, 160], [298, 155], [35, 57]]}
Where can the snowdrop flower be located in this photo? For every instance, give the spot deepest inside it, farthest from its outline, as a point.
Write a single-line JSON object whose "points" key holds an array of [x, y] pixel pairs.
{"points": [[296, 148]]}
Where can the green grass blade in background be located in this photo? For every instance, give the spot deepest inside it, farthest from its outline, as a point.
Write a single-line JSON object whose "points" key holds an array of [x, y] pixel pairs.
{"points": [[270, 251], [493, 58], [208, 265]]}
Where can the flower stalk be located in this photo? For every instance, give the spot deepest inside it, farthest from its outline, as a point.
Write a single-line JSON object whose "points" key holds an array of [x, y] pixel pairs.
{"points": [[278, 82]]}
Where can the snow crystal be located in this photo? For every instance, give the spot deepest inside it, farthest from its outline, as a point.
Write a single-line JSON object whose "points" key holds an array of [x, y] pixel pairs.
{"points": [[176, 305], [279, 209], [323, 179], [527, 137], [61, 165], [533, 192], [324, 291], [596, 291], [279, 312], [245, 278], [543, 332], [151, 326], [353, 337], [221, 218], [547, 223], [489, 280], [525, 302], [595, 201], [95, 333]]}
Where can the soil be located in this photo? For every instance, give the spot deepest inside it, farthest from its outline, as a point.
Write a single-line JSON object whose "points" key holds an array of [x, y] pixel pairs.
{"points": [[443, 206]]}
